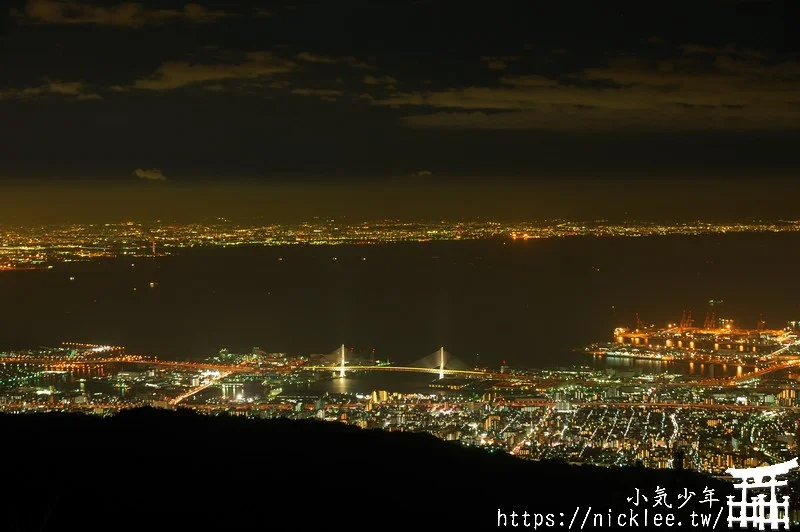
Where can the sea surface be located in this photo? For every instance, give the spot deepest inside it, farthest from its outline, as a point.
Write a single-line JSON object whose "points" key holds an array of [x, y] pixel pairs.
{"points": [[528, 303]]}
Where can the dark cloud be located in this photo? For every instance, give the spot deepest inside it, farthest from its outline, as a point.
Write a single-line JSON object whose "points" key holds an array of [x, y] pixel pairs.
{"points": [[176, 74], [380, 80], [74, 90], [499, 63], [729, 93], [729, 50], [123, 15], [150, 174], [329, 95], [374, 89], [309, 57]]}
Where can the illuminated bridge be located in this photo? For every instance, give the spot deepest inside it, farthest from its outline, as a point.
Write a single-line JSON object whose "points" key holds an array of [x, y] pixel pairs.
{"points": [[763, 371], [439, 363], [776, 366], [413, 369]]}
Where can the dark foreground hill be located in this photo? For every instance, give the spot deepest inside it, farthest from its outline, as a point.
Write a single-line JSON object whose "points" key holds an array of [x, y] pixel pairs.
{"points": [[156, 470]]}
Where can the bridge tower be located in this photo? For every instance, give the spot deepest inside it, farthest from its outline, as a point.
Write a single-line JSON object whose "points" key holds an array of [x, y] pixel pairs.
{"points": [[441, 363], [341, 366]]}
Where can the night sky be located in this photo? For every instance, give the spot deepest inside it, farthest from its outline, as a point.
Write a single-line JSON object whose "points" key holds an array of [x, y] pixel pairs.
{"points": [[456, 107]]}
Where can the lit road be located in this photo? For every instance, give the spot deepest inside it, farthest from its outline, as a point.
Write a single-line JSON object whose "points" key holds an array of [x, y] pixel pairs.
{"points": [[162, 363], [198, 389], [763, 371], [697, 406]]}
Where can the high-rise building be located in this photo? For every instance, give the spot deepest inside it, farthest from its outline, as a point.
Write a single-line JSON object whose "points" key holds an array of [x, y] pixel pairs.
{"points": [[797, 435]]}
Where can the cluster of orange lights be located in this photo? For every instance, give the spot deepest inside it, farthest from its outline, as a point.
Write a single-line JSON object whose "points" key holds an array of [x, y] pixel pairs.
{"points": [[92, 346]]}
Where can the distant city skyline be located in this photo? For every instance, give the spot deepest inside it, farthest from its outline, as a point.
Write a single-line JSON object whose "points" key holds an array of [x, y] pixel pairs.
{"points": [[42, 246]]}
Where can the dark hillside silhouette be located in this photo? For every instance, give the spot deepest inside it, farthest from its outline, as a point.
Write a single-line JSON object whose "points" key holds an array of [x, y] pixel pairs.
{"points": [[162, 470]]}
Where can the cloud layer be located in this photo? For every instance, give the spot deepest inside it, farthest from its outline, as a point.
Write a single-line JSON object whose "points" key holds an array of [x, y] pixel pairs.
{"points": [[379, 80], [499, 63], [219, 73], [705, 88], [664, 87], [309, 57], [151, 174], [124, 15], [74, 90], [176, 74]]}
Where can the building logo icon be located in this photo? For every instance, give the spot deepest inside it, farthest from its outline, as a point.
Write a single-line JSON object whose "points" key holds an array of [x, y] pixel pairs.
{"points": [[759, 505]]}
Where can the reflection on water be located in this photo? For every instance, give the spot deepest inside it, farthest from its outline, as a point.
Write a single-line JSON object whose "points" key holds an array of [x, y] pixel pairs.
{"points": [[80, 378], [368, 382], [699, 369], [419, 383], [234, 391]]}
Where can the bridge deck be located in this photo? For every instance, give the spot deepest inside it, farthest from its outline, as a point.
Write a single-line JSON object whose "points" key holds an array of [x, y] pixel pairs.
{"points": [[398, 368]]}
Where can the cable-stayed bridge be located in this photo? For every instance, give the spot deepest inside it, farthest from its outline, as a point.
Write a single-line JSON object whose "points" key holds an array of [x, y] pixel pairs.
{"points": [[440, 362]]}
